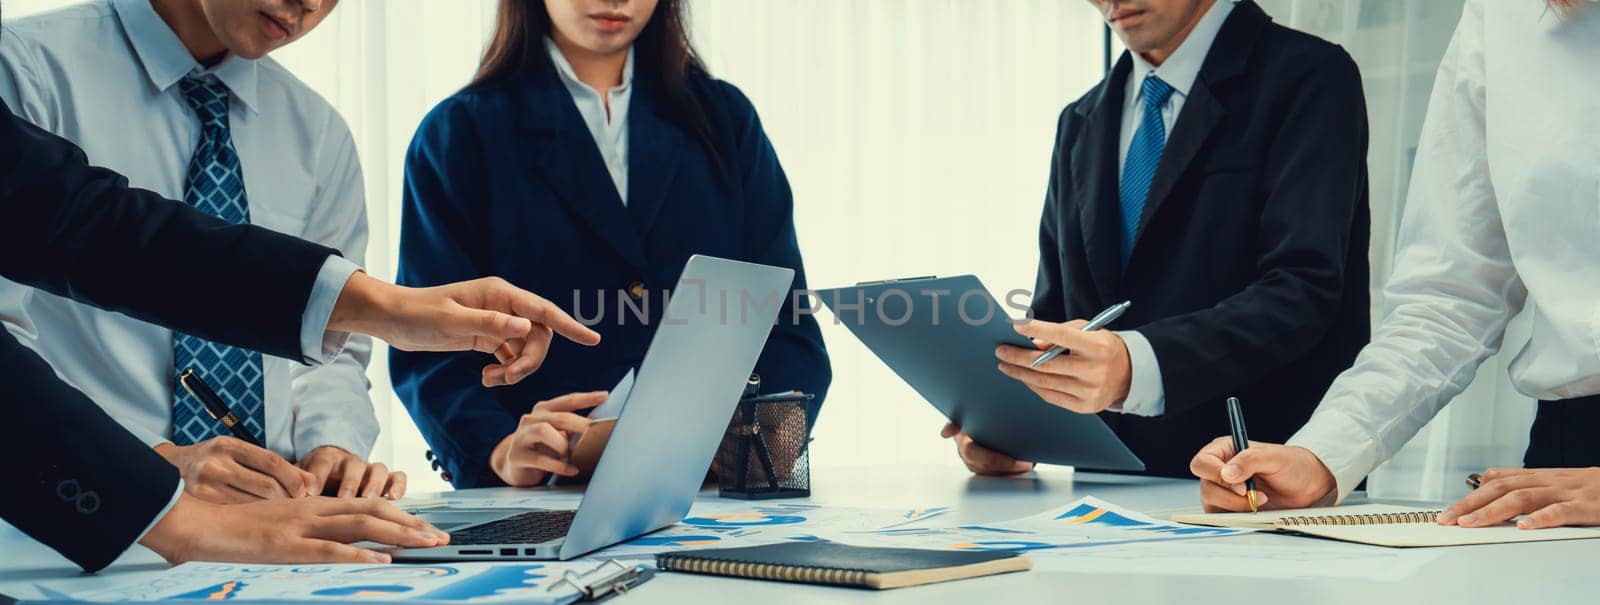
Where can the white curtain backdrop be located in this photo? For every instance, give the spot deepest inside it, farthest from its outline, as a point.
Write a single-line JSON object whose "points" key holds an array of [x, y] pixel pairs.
{"points": [[917, 137]]}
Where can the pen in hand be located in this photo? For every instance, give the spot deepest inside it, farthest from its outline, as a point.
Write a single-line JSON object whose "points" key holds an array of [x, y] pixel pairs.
{"points": [[215, 406], [1241, 442], [1100, 321]]}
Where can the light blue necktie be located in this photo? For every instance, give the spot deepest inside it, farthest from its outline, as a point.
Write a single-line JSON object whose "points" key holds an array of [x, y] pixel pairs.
{"points": [[215, 185], [1144, 155]]}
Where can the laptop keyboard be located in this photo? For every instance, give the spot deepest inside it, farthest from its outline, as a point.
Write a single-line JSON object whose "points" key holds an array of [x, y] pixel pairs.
{"points": [[527, 528]]}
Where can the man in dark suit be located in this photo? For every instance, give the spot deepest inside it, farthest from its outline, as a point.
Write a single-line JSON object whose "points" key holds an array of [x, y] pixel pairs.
{"points": [[89, 489], [1216, 178]]}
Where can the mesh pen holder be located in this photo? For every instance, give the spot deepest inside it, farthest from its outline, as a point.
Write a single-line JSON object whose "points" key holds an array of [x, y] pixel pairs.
{"points": [[765, 453]]}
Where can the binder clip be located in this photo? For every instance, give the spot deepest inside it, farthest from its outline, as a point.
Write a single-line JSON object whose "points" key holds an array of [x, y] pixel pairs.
{"points": [[609, 579]]}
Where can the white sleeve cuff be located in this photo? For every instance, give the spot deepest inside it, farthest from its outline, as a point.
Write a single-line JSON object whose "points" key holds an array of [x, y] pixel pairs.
{"points": [[147, 437], [317, 344], [1146, 395], [1348, 451], [177, 493]]}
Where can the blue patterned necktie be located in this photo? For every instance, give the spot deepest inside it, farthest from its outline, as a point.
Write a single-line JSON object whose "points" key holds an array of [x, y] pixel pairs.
{"points": [[215, 185], [1144, 155]]}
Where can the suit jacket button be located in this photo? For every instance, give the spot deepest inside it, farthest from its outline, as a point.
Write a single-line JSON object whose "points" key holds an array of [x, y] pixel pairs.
{"points": [[446, 476], [429, 455], [88, 503], [68, 490], [636, 290]]}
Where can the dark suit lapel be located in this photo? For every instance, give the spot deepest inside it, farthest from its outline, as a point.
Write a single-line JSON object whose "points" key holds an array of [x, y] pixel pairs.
{"points": [[1203, 111], [1094, 173], [564, 155], [655, 147], [1201, 114]]}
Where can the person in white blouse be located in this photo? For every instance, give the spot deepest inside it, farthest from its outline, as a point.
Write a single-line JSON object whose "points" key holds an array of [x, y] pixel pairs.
{"points": [[178, 95], [1503, 216]]}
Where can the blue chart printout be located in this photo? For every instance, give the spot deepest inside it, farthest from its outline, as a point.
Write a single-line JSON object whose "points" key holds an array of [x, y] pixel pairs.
{"points": [[456, 582], [1087, 522], [725, 524]]}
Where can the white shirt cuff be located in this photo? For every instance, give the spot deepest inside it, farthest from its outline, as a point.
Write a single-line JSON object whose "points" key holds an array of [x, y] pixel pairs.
{"points": [[1146, 395], [317, 344], [163, 514], [1349, 452], [150, 439]]}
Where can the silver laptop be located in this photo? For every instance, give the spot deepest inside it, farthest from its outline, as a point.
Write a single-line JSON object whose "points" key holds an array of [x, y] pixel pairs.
{"points": [[715, 326]]}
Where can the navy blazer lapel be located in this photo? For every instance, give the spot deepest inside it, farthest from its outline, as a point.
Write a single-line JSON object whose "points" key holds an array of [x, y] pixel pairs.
{"points": [[1201, 115], [565, 156], [655, 147], [1203, 112], [1094, 174]]}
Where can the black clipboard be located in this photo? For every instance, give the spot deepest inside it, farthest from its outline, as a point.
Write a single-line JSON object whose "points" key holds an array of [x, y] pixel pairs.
{"points": [[939, 335]]}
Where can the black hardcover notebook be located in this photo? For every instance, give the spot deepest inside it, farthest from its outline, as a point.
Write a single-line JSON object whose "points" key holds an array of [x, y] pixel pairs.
{"points": [[843, 565]]}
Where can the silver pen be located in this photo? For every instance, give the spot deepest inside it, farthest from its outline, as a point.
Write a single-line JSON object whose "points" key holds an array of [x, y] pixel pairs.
{"points": [[1100, 321]]}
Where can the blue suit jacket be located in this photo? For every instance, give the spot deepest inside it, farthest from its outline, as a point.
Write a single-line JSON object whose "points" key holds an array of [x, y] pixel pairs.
{"points": [[506, 180]]}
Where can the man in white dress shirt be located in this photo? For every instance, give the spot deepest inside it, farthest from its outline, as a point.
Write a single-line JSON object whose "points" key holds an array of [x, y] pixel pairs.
{"points": [[178, 96], [1503, 216]]}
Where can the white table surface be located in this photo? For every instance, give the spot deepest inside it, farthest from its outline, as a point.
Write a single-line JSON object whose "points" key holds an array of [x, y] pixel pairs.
{"points": [[1549, 572]]}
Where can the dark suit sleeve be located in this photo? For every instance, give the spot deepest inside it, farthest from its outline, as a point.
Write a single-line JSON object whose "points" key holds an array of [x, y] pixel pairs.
{"points": [[85, 486], [80, 232], [462, 420], [1049, 294], [1314, 175], [81, 484], [794, 358]]}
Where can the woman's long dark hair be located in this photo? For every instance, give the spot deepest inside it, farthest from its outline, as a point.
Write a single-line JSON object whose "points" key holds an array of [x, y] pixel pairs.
{"points": [[662, 54]]}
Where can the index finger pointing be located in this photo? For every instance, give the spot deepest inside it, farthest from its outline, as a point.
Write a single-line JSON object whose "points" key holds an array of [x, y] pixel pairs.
{"points": [[544, 312]]}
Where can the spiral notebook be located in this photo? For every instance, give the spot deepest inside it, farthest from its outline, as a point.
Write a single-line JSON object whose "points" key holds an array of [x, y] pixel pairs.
{"points": [[1383, 525], [843, 565]]}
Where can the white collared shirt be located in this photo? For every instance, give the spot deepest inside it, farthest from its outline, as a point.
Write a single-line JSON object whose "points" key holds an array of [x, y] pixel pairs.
{"points": [[1503, 214], [1146, 394], [608, 129], [104, 75]]}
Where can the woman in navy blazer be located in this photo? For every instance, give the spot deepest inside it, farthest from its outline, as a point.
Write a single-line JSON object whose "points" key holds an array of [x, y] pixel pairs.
{"points": [[509, 178]]}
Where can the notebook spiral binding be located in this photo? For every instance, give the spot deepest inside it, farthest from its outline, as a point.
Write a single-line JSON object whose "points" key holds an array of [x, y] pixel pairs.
{"points": [[1369, 519], [766, 571]]}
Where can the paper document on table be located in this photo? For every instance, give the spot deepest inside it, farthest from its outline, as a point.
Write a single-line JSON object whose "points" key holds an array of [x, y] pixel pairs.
{"points": [[724, 524], [1087, 522], [477, 582], [1308, 560]]}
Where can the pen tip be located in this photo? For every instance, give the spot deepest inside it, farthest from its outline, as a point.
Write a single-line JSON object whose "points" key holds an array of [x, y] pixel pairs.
{"points": [[1251, 496]]}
